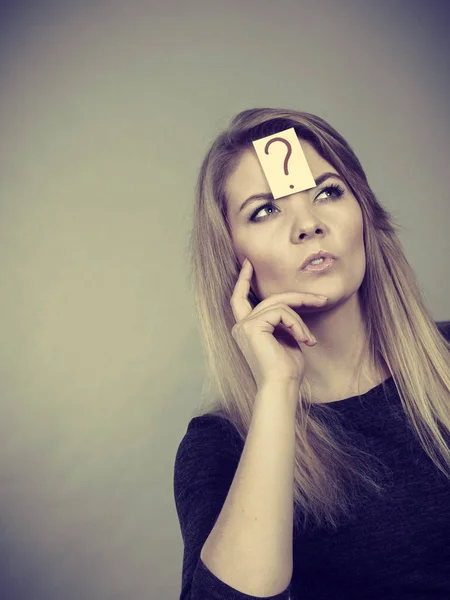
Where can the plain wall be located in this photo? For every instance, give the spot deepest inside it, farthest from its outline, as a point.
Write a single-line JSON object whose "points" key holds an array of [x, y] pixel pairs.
{"points": [[107, 110]]}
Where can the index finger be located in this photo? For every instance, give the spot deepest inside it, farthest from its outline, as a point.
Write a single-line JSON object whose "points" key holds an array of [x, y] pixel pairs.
{"points": [[240, 304]]}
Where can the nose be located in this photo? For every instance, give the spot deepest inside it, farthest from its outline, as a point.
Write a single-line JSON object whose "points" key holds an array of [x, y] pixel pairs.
{"points": [[311, 231]]}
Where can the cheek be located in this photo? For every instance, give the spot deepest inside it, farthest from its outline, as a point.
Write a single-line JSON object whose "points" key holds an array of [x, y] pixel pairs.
{"points": [[354, 242], [241, 252], [355, 231], [357, 249], [259, 252], [356, 239], [270, 275]]}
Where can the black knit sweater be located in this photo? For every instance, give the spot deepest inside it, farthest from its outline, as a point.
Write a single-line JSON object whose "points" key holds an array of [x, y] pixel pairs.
{"points": [[395, 546]]}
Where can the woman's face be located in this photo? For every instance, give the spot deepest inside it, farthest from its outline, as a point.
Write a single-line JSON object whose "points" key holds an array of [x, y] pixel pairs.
{"points": [[286, 231]]}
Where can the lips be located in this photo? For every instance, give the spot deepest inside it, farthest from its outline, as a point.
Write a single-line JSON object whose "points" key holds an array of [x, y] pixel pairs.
{"points": [[321, 254]]}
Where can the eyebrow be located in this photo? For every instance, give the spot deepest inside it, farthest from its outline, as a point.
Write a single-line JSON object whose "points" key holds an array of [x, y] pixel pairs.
{"points": [[269, 196]]}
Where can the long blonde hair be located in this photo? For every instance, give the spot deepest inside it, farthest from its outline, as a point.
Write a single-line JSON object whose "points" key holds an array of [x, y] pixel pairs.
{"points": [[400, 329]]}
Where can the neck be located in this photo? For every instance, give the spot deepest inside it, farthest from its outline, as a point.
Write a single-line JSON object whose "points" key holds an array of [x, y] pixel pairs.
{"points": [[340, 365]]}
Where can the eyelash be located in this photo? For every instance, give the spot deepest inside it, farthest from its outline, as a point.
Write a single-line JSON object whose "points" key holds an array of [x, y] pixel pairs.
{"points": [[336, 189]]}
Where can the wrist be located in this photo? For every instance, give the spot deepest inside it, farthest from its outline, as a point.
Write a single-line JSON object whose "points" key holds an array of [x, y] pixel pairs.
{"points": [[285, 391]]}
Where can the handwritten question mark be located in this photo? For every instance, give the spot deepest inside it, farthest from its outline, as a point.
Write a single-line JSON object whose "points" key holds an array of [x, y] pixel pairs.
{"points": [[289, 152]]}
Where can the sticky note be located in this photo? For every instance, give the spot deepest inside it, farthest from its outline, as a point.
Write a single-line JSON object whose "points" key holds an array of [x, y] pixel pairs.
{"points": [[284, 163]]}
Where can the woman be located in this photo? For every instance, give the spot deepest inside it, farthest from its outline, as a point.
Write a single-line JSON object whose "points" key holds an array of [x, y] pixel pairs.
{"points": [[323, 468]]}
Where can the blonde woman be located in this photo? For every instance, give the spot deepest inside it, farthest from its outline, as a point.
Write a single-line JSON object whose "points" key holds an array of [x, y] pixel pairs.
{"points": [[321, 470]]}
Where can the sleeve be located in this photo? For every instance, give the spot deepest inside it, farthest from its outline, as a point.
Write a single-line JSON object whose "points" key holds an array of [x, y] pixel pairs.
{"points": [[205, 464]]}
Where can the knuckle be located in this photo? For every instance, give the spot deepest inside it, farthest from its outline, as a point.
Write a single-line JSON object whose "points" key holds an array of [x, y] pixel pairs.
{"points": [[243, 326], [241, 330], [235, 330]]}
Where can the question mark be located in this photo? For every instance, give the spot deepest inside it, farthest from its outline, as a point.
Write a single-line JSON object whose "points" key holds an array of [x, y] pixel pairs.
{"points": [[289, 152]]}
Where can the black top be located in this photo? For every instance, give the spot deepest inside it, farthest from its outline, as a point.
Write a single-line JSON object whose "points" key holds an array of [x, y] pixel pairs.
{"points": [[395, 546]]}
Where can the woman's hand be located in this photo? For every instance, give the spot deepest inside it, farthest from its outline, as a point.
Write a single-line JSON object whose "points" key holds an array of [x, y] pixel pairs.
{"points": [[272, 356]]}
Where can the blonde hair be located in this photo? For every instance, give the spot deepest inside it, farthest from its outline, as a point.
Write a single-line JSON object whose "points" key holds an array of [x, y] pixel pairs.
{"points": [[400, 330]]}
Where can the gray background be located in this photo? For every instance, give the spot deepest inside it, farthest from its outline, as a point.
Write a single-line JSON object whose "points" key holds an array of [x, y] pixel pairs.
{"points": [[107, 109]]}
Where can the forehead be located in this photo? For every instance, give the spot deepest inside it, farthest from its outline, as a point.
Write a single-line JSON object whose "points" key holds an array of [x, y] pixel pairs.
{"points": [[248, 177]]}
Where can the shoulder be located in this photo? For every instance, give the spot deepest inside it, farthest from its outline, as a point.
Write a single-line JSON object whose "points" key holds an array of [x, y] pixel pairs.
{"points": [[209, 426], [444, 328], [209, 439]]}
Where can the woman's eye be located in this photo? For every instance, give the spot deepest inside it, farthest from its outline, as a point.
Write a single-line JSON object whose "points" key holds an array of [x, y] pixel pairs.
{"points": [[258, 210], [331, 192], [335, 190]]}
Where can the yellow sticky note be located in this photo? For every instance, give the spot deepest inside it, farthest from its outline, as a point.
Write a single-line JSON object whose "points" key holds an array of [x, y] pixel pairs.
{"points": [[284, 163]]}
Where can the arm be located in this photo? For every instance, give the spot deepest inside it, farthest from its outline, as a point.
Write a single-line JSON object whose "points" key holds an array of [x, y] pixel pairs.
{"points": [[250, 545]]}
